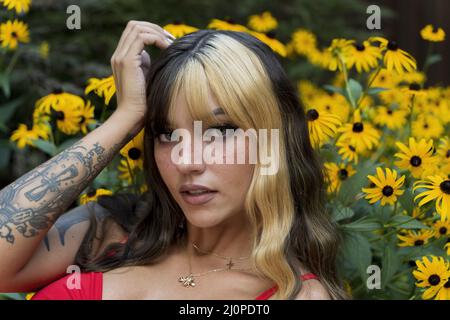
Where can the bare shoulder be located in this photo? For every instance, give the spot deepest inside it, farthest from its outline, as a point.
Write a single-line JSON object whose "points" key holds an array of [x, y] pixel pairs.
{"points": [[312, 289]]}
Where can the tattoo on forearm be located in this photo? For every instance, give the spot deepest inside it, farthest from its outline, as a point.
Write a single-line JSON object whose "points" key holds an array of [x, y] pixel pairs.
{"points": [[34, 201]]}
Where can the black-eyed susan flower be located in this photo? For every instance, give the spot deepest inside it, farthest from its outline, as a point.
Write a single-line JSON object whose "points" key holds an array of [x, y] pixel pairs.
{"points": [[414, 89], [271, 41], [21, 6], [412, 77], [363, 56], [93, 194], [362, 135], [333, 103], [336, 54], [67, 115], [133, 151], [264, 22], [417, 157], [431, 274], [443, 151], [391, 118], [438, 190], [43, 130], [104, 88], [432, 33], [23, 137], [227, 24], [13, 32], [387, 187], [415, 238], [347, 151], [337, 174], [304, 41], [86, 116], [321, 126], [427, 126], [441, 228], [383, 79], [178, 29], [395, 59]]}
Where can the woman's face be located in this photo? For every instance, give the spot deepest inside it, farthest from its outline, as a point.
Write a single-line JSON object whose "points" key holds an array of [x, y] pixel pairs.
{"points": [[227, 184]]}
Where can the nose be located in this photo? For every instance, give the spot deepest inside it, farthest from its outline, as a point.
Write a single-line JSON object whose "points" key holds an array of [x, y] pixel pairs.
{"points": [[195, 163]]}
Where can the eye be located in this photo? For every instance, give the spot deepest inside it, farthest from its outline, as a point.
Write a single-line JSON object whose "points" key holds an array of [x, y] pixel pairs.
{"points": [[223, 129], [164, 136]]}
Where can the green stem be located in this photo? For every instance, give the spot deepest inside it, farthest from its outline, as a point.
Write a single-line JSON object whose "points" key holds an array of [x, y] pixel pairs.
{"points": [[411, 115], [364, 94], [12, 62], [428, 55], [347, 87]]}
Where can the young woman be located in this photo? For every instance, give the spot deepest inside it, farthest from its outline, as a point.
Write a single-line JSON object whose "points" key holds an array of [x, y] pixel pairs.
{"points": [[202, 230]]}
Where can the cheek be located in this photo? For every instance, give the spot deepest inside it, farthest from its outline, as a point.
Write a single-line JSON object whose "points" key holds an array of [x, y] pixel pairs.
{"points": [[164, 163]]}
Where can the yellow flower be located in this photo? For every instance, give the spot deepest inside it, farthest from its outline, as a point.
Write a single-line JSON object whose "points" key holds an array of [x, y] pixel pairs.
{"points": [[43, 130], [337, 174], [304, 41], [127, 169], [93, 194], [13, 32], [415, 238], [441, 228], [443, 151], [395, 59], [393, 119], [271, 41], [384, 79], [104, 88], [439, 190], [361, 135], [339, 49], [363, 56], [21, 6], [321, 126], [178, 30], [417, 157], [134, 150], [432, 33], [23, 136], [67, 113], [347, 151], [387, 187], [431, 274], [227, 24], [29, 295], [263, 23], [86, 116], [427, 126], [44, 49]]}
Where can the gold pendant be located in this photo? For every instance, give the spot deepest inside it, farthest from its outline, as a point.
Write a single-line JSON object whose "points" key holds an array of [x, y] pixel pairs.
{"points": [[187, 281]]}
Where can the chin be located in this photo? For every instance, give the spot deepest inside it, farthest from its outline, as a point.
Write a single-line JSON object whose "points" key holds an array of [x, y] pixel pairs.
{"points": [[204, 218]]}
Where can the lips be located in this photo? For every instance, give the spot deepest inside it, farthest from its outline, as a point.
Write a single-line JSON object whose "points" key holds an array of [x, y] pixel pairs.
{"points": [[195, 194]]}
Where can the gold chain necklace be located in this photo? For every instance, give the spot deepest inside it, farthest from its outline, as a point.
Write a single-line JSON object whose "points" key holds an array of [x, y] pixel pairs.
{"points": [[189, 280]]}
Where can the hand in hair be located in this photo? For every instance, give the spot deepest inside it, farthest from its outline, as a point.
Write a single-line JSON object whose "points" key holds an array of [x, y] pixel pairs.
{"points": [[130, 64]]}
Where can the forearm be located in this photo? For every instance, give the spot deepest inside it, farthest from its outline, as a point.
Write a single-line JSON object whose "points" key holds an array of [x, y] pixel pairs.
{"points": [[30, 205]]}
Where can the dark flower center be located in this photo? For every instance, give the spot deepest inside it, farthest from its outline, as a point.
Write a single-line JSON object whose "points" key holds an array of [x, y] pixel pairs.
{"points": [[91, 193], [415, 161], [352, 148], [312, 115], [447, 284], [82, 119], [447, 155], [418, 242], [14, 34], [57, 90], [59, 115], [358, 127], [134, 153], [445, 186], [177, 22], [412, 263], [271, 34], [327, 107], [230, 20], [392, 45], [435, 29], [359, 46], [343, 174], [442, 230], [434, 279], [388, 191], [389, 112], [414, 86]]}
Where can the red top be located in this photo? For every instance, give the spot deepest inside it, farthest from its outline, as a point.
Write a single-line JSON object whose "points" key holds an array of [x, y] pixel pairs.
{"points": [[92, 286]]}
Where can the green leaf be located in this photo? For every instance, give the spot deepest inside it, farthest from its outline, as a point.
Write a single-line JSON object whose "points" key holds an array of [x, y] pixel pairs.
{"points": [[340, 213], [363, 224], [352, 186], [355, 89], [7, 109], [389, 264], [376, 90], [407, 200], [5, 151], [357, 251], [405, 222], [434, 58], [4, 83], [334, 89], [46, 146]]}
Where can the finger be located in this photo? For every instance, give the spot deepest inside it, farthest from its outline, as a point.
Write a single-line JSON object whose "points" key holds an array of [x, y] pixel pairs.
{"points": [[131, 38], [143, 39]]}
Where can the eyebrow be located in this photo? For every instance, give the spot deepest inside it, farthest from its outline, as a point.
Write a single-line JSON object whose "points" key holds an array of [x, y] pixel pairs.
{"points": [[218, 111]]}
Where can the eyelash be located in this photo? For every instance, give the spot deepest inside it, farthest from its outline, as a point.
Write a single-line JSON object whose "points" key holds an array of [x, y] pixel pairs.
{"points": [[164, 139]]}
